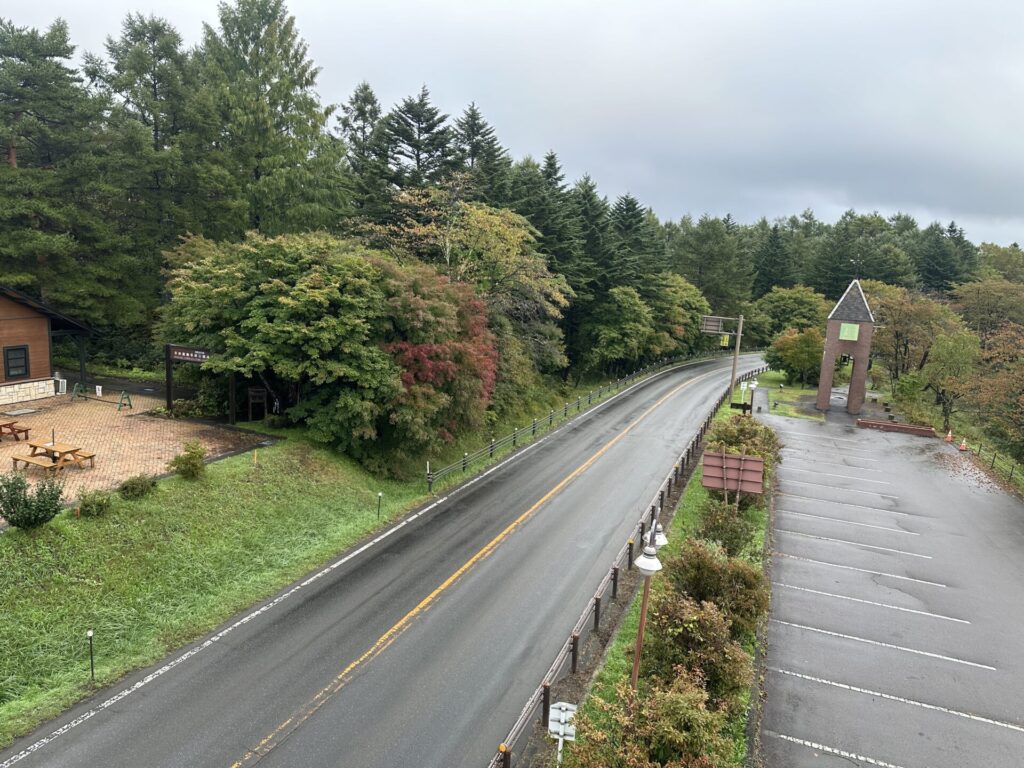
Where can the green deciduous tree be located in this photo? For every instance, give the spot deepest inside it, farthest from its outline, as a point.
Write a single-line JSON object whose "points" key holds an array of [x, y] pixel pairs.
{"points": [[798, 353], [949, 372], [798, 307], [985, 305]]}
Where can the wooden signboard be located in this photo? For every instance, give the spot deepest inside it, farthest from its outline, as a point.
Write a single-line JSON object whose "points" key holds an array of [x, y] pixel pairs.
{"points": [[733, 472]]}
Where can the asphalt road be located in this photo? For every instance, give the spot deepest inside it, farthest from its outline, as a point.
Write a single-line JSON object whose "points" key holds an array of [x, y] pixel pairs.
{"points": [[422, 649], [896, 613]]}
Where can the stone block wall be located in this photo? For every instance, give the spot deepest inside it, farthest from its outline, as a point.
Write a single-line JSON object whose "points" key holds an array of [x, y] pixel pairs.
{"points": [[25, 390]]}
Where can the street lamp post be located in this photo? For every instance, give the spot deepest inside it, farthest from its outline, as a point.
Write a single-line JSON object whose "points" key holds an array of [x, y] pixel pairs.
{"points": [[648, 565]]}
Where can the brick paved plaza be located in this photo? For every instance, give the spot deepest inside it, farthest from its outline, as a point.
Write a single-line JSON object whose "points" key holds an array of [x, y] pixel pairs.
{"points": [[126, 443]]}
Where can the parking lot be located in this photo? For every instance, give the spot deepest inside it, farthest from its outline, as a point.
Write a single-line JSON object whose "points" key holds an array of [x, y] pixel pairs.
{"points": [[896, 622]]}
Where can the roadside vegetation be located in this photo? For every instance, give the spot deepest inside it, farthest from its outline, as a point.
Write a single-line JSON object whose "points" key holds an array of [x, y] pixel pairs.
{"points": [[690, 708]]}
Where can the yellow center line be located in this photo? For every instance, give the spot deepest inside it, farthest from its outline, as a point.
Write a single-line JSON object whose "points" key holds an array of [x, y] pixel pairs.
{"points": [[282, 731]]}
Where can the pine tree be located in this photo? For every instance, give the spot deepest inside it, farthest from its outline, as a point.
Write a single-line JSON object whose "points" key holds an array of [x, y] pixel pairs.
{"points": [[267, 141], [707, 255], [421, 142], [480, 154], [630, 246], [362, 127], [773, 264], [936, 259]]}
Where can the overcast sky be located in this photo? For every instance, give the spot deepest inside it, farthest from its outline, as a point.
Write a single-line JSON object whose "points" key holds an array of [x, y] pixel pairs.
{"points": [[750, 107]]}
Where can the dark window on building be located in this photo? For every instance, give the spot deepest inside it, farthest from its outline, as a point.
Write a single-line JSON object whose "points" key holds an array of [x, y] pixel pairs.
{"points": [[15, 362]]}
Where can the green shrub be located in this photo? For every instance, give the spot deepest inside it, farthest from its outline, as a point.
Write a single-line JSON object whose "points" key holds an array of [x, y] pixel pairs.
{"points": [[704, 572], [189, 463], [95, 503], [661, 724], [697, 637], [741, 434], [723, 524], [137, 487], [26, 507]]}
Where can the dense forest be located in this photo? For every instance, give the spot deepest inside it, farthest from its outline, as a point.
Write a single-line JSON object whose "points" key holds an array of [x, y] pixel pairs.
{"points": [[393, 275]]}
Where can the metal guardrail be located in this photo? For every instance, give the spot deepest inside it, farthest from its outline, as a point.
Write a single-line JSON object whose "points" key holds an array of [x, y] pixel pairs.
{"points": [[524, 436], [590, 619]]}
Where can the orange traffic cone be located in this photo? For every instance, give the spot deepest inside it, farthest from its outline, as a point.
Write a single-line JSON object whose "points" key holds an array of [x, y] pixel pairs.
{"points": [[949, 436], [963, 444]]}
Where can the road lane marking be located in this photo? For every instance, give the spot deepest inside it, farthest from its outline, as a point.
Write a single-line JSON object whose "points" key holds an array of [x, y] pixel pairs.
{"points": [[870, 602], [859, 570], [854, 543], [846, 522], [325, 694], [824, 437], [902, 700], [833, 750], [833, 488], [830, 474], [846, 504], [880, 644], [851, 452], [213, 639]]}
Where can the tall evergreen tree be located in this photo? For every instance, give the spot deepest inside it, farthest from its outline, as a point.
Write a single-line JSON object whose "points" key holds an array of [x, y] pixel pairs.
{"points": [[936, 259], [773, 264], [707, 255], [270, 136], [481, 155], [421, 142], [365, 134], [630, 244]]}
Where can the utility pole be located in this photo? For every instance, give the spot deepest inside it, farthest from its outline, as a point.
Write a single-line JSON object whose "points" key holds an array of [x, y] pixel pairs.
{"points": [[736, 357]]}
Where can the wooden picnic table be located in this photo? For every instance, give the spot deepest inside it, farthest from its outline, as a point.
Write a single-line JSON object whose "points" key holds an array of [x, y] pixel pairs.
{"points": [[12, 428], [60, 455]]}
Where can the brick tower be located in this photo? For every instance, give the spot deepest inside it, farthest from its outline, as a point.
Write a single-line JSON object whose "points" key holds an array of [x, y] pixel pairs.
{"points": [[849, 330]]}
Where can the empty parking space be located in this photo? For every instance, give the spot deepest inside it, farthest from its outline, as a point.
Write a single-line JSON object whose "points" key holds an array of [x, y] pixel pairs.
{"points": [[895, 618]]}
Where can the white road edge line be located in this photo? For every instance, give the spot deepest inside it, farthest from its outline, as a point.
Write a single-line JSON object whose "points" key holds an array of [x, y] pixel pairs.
{"points": [[833, 750], [845, 522], [854, 543], [830, 474], [850, 568], [27, 751], [901, 700], [870, 602], [845, 504], [880, 644], [844, 490]]}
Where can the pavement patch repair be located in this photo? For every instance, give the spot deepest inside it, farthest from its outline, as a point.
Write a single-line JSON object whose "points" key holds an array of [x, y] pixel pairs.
{"points": [[895, 631]]}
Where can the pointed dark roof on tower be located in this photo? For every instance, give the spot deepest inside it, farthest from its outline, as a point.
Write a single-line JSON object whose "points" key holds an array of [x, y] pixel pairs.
{"points": [[853, 307]]}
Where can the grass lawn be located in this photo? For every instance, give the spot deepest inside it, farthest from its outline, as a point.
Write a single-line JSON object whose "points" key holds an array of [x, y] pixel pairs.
{"points": [[792, 400]]}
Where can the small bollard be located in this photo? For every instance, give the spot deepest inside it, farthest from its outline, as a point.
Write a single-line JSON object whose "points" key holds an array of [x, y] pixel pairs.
{"points": [[565, 411], [551, 418], [92, 663], [575, 652], [534, 428], [661, 499], [491, 452], [654, 514], [615, 582], [506, 756], [515, 436], [597, 612], [380, 498], [643, 532], [590, 395], [629, 555], [670, 486], [465, 461], [430, 483], [545, 704]]}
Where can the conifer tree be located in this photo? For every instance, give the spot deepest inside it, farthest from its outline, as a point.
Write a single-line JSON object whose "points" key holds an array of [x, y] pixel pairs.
{"points": [[421, 142], [773, 264], [362, 127]]}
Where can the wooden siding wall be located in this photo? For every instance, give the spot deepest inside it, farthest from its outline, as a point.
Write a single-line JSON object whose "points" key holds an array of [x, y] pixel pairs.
{"points": [[23, 325]]}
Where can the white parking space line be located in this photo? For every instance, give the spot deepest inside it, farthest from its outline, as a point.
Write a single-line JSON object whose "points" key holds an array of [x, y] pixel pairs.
{"points": [[823, 437], [902, 700], [880, 644], [815, 454], [854, 543], [830, 474], [870, 602], [860, 570], [833, 751], [845, 522], [846, 504], [833, 488], [833, 464]]}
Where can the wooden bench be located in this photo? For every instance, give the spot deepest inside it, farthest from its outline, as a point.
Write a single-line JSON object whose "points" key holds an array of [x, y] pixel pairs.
{"points": [[38, 461], [80, 457], [23, 431], [11, 428]]}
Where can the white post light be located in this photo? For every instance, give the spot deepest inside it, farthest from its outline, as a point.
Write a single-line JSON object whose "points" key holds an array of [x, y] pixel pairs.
{"points": [[648, 564]]}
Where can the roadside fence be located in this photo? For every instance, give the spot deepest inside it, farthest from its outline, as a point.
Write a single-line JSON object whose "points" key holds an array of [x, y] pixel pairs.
{"points": [[566, 662], [1004, 466], [557, 416]]}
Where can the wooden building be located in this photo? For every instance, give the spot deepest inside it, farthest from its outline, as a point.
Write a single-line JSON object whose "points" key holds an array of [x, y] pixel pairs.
{"points": [[27, 329]]}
